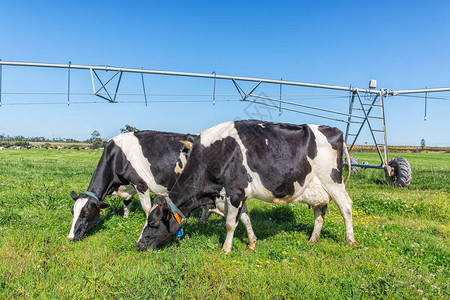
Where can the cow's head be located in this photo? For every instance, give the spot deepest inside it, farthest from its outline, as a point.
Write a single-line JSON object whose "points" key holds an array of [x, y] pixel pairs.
{"points": [[86, 212], [161, 226]]}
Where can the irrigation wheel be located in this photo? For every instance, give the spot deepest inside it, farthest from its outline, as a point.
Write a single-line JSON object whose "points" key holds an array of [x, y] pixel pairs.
{"points": [[401, 174]]}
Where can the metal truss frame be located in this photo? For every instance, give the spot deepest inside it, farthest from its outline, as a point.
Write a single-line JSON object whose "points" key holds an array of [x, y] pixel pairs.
{"points": [[361, 111]]}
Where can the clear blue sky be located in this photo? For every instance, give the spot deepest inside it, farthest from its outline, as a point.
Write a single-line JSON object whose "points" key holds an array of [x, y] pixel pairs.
{"points": [[402, 44]]}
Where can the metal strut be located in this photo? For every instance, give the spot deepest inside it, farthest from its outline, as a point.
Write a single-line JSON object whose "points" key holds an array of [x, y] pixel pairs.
{"points": [[103, 87], [281, 89], [68, 85], [143, 87], [214, 89]]}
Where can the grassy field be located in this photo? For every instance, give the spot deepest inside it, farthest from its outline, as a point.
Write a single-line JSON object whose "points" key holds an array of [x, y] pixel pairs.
{"points": [[403, 237]]}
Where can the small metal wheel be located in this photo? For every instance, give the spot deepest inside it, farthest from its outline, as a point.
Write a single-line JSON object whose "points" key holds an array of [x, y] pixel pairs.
{"points": [[354, 169], [400, 174]]}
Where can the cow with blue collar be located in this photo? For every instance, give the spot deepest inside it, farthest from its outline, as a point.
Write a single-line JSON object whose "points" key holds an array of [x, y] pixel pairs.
{"points": [[136, 162], [273, 162]]}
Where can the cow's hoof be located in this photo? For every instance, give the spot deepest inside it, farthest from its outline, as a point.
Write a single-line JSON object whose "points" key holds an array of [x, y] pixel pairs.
{"points": [[225, 252], [352, 243], [250, 249], [312, 242], [141, 246]]}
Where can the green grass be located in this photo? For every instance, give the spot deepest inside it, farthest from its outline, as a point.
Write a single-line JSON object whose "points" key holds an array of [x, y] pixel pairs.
{"points": [[403, 236]]}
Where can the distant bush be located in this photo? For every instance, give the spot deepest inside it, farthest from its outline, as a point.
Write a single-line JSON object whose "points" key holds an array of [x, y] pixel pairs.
{"points": [[21, 143], [5, 144]]}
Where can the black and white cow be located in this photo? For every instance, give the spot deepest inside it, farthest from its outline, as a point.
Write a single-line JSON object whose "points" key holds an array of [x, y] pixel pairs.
{"points": [[272, 162], [149, 161], [142, 162]]}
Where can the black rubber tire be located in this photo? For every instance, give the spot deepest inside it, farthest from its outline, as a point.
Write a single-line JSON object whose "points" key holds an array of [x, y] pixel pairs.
{"points": [[402, 172], [354, 169]]}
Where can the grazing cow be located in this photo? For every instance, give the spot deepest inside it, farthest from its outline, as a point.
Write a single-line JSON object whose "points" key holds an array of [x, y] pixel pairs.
{"points": [[150, 161], [272, 162], [141, 162]]}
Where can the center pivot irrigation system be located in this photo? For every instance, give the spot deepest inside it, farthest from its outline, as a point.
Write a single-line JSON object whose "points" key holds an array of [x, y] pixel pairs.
{"points": [[367, 109]]}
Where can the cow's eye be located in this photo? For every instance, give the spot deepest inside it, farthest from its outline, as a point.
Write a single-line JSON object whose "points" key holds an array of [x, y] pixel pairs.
{"points": [[153, 223]]}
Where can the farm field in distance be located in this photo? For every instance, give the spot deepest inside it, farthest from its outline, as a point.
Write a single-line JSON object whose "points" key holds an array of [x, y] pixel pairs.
{"points": [[403, 236]]}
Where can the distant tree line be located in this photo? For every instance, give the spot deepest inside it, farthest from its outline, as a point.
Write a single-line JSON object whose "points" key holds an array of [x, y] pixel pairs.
{"points": [[95, 139], [18, 138]]}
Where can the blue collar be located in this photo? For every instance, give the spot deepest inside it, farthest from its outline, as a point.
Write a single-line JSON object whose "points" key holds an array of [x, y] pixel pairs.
{"points": [[92, 195]]}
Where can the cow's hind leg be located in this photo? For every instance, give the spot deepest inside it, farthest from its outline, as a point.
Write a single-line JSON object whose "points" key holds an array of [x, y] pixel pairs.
{"points": [[206, 212], [245, 219], [344, 203], [126, 192], [319, 216], [126, 208]]}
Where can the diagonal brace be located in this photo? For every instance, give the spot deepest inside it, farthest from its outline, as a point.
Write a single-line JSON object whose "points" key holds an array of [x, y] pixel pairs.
{"points": [[243, 94]]}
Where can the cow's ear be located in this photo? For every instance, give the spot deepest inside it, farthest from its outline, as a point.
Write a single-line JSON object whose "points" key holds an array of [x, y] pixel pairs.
{"points": [[74, 195], [187, 144], [103, 204], [158, 200]]}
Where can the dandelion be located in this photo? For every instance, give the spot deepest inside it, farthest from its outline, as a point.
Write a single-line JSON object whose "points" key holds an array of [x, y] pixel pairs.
{"points": [[284, 252]]}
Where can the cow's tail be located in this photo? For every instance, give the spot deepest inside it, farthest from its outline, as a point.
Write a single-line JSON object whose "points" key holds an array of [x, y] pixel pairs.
{"points": [[348, 163]]}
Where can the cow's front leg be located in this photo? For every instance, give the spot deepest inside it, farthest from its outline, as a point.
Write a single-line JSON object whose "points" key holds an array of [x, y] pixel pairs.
{"points": [[232, 220], [319, 216], [146, 201]]}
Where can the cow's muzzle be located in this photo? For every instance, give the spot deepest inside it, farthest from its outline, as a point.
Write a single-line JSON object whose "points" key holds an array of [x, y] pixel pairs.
{"points": [[74, 239], [140, 246]]}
